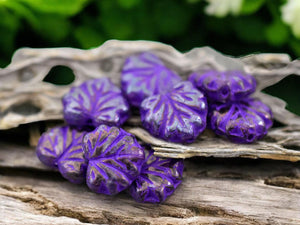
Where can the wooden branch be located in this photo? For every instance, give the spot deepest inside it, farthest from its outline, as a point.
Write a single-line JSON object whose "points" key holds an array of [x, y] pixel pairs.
{"points": [[218, 191], [26, 98]]}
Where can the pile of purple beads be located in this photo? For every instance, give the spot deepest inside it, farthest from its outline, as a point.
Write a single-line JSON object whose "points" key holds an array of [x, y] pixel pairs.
{"points": [[178, 111], [232, 112], [93, 148]]}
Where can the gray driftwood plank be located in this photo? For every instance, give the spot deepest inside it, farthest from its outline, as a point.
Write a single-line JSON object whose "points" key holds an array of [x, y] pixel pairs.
{"points": [[214, 191], [196, 201], [280, 144]]}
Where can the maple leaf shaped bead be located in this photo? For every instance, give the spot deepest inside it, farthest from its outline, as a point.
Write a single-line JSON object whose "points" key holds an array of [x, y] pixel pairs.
{"points": [[159, 178], [177, 116], [144, 75], [95, 102], [224, 86], [61, 147], [242, 122], [114, 159]]}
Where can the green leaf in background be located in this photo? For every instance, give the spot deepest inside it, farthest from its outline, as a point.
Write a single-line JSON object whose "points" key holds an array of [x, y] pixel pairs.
{"points": [[128, 4], [295, 45], [170, 17], [141, 20], [88, 37], [215, 24], [8, 19], [277, 34], [250, 29], [54, 28], [192, 1], [288, 90], [9, 25], [22, 11], [63, 7], [115, 21], [251, 6]]}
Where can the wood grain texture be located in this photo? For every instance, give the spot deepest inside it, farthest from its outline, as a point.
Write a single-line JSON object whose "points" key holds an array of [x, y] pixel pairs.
{"points": [[15, 211], [214, 191], [279, 144]]}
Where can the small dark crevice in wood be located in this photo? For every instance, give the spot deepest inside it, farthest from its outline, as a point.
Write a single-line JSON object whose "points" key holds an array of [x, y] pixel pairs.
{"points": [[26, 172], [213, 211], [60, 75], [224, 175], [277, 124], [133, 121], [269, 139], [292, 146], [114, 219], [239, 168], [20, 133], [25, 108]]}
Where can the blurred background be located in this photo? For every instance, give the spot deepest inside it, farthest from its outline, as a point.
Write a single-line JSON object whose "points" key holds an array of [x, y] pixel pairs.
{"points": [[234, 27]]}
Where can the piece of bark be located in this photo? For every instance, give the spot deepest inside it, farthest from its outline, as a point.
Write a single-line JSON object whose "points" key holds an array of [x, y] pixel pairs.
{"points": [[19, 156], [26, 98], [214, 191], [197, 200], [279, 144], [23, 158]]}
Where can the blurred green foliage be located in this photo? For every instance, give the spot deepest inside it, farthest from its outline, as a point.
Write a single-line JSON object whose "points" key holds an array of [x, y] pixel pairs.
{"points": [[257, 27], [183, 23]]}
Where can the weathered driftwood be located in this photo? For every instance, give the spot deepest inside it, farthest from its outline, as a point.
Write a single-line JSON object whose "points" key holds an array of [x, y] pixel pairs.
{"points": [[14, 211], [280, 144], [25, 97], [214, 191]]}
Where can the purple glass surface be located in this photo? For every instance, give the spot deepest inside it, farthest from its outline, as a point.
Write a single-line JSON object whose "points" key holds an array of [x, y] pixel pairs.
{"points": [[61, 147], [224, 86], [177, 116], [114, 159], [95, 102], [158, 179], [144, 75], [241, 122]]}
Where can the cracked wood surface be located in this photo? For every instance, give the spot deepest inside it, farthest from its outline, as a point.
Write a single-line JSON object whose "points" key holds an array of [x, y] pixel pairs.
{"points": [[280, 144], [214, 191]]}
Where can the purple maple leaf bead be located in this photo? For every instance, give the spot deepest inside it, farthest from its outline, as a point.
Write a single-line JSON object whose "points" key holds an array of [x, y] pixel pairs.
{"points": [[61, 147], [144, 75], [177, 116], [159, 178], [241, 122], [114, 159], [95, 102], [224, 86]]}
